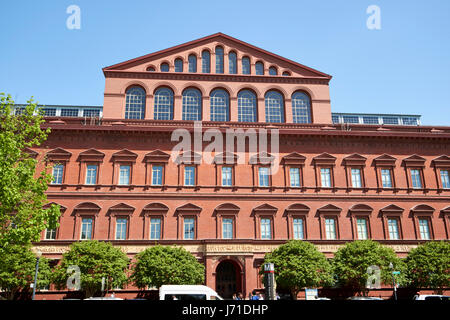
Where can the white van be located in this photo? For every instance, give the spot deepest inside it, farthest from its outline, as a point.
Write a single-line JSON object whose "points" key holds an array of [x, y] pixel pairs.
{"points": [[187, 292]]}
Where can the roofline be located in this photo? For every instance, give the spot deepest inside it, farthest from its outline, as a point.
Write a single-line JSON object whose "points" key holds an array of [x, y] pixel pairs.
{"points": [[376, 114], [215, 35]]}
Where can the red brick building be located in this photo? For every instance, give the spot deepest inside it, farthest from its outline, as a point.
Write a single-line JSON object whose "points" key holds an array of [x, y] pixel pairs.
{"points": [[116, 177]]}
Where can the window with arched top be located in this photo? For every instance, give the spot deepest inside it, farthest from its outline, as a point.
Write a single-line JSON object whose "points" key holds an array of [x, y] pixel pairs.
{"points": [[164, 67], [232, 62], [163, 108], [206, 61], [135, 103], [151, 69], [192, 63], [301, 108], [274, 107], [246, 65], [259, 68], [247, 111], [219, 101], [286, 73], [273, 71], [192, 104], [219, 59], [178, 65]]}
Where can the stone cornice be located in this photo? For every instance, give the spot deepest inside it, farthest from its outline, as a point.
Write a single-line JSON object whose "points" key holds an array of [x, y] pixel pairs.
{"points": [[214, 77]]}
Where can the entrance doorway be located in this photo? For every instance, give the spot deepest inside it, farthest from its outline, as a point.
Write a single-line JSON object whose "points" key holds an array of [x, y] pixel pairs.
{"points": [[228, 279]]}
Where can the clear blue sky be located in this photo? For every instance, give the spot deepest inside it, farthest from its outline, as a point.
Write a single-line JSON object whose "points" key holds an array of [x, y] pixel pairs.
{"points": [[402, 68]]}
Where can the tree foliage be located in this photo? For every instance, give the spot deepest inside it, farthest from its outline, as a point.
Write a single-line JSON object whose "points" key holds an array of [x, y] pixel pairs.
{"points": [[22, 193], [298, 264], [95, 260], [350, 264], [428, 265], [17, 270], [161, 265]]}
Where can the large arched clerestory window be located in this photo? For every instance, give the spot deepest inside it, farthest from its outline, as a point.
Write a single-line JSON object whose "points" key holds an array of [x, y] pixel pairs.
{"points": [[192, 104], [274, 107], [247, 111], [206, 61], [219, 101], [163, 108], [232, 62], [192, 63], [219, 59], [135, 103], [301, 107]]}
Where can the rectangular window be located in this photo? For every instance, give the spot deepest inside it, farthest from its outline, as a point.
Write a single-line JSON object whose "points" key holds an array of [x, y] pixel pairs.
{"points": [[58, 170], [416, 179], [227, 180], [298, 228], [49, 112], [50, 234], [424, 229], [155, 228], [386, 178], [393, 230], [263, 177], [157, 172], [390, 120], [356, 178], [124, 175], [69, 112], [91, 174], [91, 113], [86, 229], [351, 119], [370, 120], [189, 176], [325, 177], [294, 174], [330, 229], [266, 233], [445, 179], [361, 228], [121, 229], [189, 228], [227, 228]]}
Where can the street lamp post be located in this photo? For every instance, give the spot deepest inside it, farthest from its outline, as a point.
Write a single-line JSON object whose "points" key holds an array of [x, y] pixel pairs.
{"points": [[38, 257], [391, 266]]}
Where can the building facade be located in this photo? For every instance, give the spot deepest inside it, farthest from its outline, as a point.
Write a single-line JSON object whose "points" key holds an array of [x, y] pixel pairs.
{"points": [[117, 177]]}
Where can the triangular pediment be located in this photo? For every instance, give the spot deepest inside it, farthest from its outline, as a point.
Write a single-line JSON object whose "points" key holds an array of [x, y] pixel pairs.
{"points": [[355, 157], [392, 208], [59, 152], [157, 156], [121, 207], [209, 43], [414, 157], [92, 152], [226, 158], [189, 207], [329, 208], [385, 157], [125, 153], [442, 160], [421, 208], [265, 209]]}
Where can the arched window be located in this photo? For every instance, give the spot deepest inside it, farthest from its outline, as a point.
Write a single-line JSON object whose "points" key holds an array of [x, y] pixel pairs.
{"points": [[135, 103], [192, 104], [259, 68], [274, 107], [219, 101], [232, 59], [178, 65], [164, 67], [192, 63], [206, 61], [301, 108], [247, 106], [286, 73], [273, 71], [245, 65], [163, 104], [219, 59], [151, 69]]}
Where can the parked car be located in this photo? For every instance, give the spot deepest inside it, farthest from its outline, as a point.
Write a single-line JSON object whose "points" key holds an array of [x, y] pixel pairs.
{"points": [[364, 298], [436, 297], [103, 298]]}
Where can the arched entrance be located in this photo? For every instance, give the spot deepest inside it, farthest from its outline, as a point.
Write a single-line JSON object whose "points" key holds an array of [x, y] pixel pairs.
{"points": [[228, 278]]}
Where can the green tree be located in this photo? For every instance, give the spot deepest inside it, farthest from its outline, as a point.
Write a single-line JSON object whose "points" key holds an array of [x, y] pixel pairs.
{"points": [[350, 264], [298, 265], [17, 270], [428, 266], [22, 191], [161, 265], [96, 260]]}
